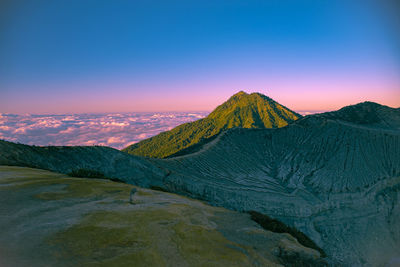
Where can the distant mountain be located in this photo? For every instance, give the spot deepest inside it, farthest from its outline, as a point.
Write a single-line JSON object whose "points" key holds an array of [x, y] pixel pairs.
{"points": [[241, 110], [368, 114]]}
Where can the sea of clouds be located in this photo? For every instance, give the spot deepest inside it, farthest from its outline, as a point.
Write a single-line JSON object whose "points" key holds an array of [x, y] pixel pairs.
{"points": [[116, 130]]}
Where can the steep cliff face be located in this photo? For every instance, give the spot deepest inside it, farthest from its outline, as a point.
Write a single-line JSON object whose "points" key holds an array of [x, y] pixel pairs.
{"points": [[336, 180], [241, 110]]}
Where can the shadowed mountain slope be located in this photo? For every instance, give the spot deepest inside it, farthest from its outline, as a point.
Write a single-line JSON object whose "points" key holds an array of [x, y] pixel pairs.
{"points": [[65, 159], [241, 110]]}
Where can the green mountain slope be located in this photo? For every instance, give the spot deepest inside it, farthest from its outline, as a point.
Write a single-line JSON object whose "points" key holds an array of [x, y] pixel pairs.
{"points": [[241, 110]]}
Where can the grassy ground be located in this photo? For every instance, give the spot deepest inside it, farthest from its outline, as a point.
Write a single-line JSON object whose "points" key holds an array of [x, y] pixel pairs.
{"points": [[51, 219]]}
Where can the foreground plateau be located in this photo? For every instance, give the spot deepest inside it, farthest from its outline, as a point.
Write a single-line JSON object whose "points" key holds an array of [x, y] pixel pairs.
{"points": [[49, 219]]}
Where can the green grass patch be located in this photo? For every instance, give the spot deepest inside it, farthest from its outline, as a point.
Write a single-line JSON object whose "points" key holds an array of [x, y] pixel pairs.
{"points": [[151, 237]]}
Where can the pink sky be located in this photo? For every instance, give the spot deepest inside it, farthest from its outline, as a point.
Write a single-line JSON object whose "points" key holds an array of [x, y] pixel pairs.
{"points": [[297, 95], [192, 56]]}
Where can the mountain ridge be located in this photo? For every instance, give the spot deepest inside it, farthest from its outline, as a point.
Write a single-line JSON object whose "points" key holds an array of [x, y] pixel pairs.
{"points": [[368, 114]]}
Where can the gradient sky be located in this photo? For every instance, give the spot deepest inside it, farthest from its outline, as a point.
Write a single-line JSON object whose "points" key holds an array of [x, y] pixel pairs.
{"points": [[117, 56]]}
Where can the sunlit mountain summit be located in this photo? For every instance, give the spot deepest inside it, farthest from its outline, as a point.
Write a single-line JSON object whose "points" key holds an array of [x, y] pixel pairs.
{"points": [[242, 110]]}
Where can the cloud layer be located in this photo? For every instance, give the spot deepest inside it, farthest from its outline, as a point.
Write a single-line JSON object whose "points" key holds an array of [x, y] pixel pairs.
{"points": [[117, 130]]}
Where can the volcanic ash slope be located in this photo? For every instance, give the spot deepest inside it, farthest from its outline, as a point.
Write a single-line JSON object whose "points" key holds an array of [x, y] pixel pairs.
{"points": [[337, 180]]}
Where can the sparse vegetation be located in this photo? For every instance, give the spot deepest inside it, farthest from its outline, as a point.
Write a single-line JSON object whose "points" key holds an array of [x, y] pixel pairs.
{"points": [[276, 226]]}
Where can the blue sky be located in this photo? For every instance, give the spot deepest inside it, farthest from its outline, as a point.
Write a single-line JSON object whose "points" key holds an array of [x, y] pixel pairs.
{"points": [[103, 56]]}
